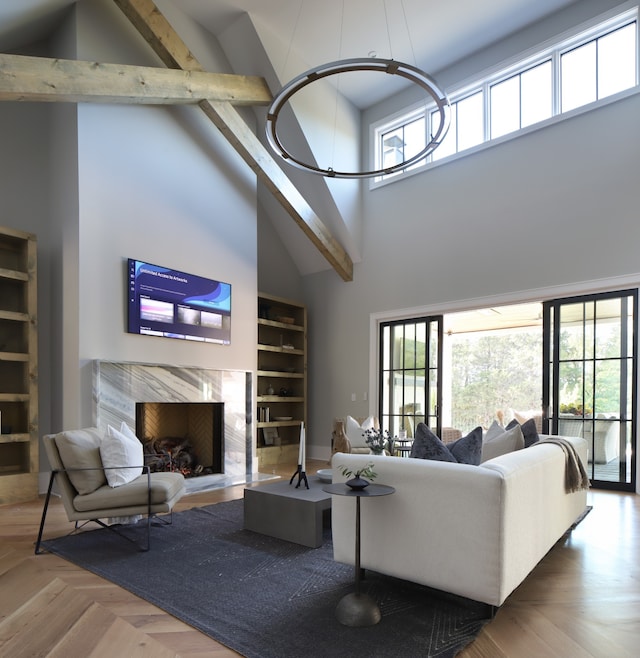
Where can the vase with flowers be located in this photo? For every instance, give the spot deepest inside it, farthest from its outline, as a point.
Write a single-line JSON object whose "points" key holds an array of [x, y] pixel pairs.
{"points": [[377, 440]]}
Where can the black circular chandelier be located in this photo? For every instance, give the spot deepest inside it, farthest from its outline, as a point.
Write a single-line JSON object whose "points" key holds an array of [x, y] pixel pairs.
{"points": [[386, 66]]}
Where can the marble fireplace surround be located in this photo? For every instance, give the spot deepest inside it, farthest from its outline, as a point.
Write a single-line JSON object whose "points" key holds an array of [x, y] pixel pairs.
{"points": [[117, 386]]}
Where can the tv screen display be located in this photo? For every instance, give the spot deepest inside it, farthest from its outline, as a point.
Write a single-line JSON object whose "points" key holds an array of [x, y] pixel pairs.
{"points": [[174, 304]]}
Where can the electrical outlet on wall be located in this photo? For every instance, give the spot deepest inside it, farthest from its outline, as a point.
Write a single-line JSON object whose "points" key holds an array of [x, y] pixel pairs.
{"points": [[353, 397]]}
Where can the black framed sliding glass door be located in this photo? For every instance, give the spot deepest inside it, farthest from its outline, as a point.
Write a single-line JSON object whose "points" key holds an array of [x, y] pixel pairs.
{"points": [[590, 349], [410, 374]]}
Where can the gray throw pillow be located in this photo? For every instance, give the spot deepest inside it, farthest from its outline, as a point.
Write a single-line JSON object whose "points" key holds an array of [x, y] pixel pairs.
{"points": [[529, 431], [466, 450], [508, 441], [495, 429], [81, 449]]}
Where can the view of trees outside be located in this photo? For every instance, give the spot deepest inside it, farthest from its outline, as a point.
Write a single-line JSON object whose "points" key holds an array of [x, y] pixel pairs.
{"points": [[500, 372], [496, 372], [577, 395]]}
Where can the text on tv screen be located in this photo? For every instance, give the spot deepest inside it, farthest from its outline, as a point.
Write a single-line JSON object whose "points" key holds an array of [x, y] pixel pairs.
{"points": [[174, 304]]}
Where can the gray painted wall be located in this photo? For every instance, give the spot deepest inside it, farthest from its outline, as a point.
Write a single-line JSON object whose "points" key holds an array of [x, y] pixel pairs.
{"points": [[557, 207], [100, 183], [542, 215]]}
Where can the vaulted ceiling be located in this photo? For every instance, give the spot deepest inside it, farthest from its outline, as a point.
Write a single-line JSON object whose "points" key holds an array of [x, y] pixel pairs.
{"points": [[431, 34], [300, 34]]}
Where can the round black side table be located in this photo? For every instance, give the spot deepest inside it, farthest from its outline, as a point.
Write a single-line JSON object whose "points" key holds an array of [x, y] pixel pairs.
{"points": [[356, 608]]}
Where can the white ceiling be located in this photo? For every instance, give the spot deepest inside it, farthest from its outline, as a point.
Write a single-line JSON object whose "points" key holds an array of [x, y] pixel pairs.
{"points": [[430, 34], [490, 319]]}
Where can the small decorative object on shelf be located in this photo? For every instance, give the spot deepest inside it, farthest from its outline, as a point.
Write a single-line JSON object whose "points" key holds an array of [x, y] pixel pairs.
{"points": [[377, 440], [359, 481]]}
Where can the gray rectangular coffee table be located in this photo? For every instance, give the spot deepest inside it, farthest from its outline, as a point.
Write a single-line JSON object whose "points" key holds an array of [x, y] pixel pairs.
{"points": [[280, 510]]}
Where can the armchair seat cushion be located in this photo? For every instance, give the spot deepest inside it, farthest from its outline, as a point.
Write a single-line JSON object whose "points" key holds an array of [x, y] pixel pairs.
{"points": [[164, 488]]}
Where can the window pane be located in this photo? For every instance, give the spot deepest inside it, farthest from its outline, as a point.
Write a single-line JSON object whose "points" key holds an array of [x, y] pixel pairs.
{"points": [[608, 387], [505, 107], [617, 61], [397, 345], [414, 138], [578, 71], [448, 145], [421, 345], [393, 147], [470, 121], [433, 345], [536, 89], [608, 329], [386, 357], [572, 332], [409, 346]]}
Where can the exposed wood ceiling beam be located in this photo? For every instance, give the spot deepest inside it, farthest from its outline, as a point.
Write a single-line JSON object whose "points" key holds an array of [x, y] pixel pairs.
{"points": [[168, 45], [41, 79]]}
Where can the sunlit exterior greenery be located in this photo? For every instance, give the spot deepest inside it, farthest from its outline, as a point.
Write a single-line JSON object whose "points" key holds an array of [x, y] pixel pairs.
{"points": [[494, 374]]}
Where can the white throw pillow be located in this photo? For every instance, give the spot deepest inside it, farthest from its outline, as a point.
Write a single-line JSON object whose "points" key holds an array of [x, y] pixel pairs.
{"points": [[355, 430], [121, 448], [508, 441]]}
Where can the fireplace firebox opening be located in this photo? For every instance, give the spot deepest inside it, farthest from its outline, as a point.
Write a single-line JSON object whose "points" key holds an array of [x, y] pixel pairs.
{"points": [[182, 436]]}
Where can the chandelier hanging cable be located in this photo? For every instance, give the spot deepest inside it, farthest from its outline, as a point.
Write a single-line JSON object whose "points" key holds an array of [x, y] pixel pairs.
{"points": [[387, 66]]}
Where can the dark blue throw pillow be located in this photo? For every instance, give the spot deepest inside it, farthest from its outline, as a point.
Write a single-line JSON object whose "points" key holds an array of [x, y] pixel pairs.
{"points": [[529, 431], [466, 450]]}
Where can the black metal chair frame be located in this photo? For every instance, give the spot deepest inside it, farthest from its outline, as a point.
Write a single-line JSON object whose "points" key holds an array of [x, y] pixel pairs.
{"points": [[114, 528]]}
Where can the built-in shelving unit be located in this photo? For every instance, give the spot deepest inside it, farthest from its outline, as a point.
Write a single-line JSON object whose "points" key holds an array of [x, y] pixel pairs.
{"points": [[281, 379], [18, 367]]}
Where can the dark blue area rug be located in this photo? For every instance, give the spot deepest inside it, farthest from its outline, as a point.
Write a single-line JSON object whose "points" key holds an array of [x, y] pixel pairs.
{"points": [[268, 598]]}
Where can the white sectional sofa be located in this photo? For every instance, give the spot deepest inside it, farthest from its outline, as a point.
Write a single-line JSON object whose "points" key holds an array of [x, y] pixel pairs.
{"points": [[475, 531]]}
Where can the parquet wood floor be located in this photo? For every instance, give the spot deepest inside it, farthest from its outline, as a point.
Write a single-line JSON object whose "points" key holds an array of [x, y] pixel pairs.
{"points": [[582, 600]]}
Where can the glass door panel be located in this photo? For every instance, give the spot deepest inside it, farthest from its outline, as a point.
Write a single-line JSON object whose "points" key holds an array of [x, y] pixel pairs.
{"points": [[590, 347], [410, 379]]}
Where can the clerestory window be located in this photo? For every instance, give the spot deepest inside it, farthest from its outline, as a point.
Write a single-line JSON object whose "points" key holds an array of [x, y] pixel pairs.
{"points": [[573, 73]]}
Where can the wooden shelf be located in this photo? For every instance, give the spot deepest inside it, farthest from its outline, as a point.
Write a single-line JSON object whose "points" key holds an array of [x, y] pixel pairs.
{"points": [[15, 397], [15, 438], [281, 325], [13, 274], [280, 350], [13, 356], [281, 375], [280, 322], [13, 315], [18, 367], [280, 423]]}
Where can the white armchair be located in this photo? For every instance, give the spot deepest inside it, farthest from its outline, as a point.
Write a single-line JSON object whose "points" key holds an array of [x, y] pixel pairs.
{"points": [[77, 469]]}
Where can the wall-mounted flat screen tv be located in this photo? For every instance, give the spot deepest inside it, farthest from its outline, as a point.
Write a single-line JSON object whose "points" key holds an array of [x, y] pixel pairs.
{"points": [[174, 304]]}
